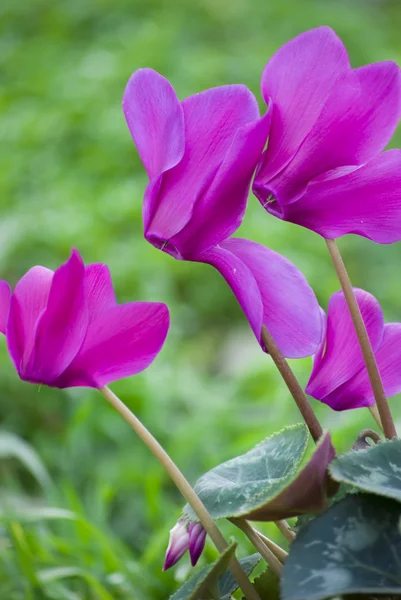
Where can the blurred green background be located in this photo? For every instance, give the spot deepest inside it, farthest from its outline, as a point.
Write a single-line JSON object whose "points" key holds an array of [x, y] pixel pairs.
{"points": [[92, 507]]}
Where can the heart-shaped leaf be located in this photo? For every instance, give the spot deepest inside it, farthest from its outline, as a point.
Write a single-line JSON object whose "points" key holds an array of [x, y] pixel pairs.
{"points": [[306, 493], [352, 548], [246, 483], [198, 587], [266, 484], [376, 469]]}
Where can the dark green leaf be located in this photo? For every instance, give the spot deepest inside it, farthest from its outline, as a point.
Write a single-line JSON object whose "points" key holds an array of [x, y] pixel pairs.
{"points": [[353, 548], [376, 470], [197, 588], [227, 584], [268, 585], [246, 483]]}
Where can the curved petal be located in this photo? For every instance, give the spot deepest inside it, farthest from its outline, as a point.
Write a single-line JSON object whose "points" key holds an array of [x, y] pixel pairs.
{"points": [[62, 326], [271, 291], [343, 358], [155, 119], [358, 119], [99, 292], [212, 119], [5, 297], [357, 392], [221, 209], [197, 539], [27, 304], [123, 341], [379, 108], [366, 202], [298, 79], [318, 356]]}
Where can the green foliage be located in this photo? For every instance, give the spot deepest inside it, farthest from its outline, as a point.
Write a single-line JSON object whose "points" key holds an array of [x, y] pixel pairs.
{"points": [[268, 585], [69, 175], [250, 482], [353, 548], [376, 470], [227, 584], [201, 584]]}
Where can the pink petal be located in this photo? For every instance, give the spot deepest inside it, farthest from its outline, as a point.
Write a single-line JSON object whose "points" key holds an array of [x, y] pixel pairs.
{"points": [[177, 546], [99, 292], [5, 296], [62, 326], [379, 108], [357, 392], [271, 291], [197, 539], [123, 341], [298, 79], [27, 304], [366, 201], [212, 119], [358, 119], [220, 210], [155, 119], [343, 358]]}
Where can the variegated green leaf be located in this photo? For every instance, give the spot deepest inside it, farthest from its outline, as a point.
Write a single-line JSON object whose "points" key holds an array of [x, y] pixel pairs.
{"points": [[376, 469], [352, 548], [198, 587], [247, 483]]}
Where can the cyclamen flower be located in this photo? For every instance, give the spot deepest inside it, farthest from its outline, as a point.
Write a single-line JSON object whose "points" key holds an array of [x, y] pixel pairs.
{"points": [[339, 377], [65, 328], [324, 167], [200, 155], [185, 537]]}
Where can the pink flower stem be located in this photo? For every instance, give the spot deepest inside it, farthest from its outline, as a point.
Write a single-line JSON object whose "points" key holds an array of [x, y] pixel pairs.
{"points": [[263, 549], [364, 342], [285, 529], [185, 488], [293, 385]]}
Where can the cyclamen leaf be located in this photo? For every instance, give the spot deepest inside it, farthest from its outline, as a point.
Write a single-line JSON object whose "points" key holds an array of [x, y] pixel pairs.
{"points": [[376, 470], [227, 584], [198, 586], [241, 485], [268, 585], [265, 484], [353, 548]]}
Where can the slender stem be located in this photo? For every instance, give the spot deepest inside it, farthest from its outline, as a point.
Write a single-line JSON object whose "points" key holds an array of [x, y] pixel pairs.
{"points": [[185, 488], [364, 342], [292, 383], [260, 546], [275, 548], [375, 414], [285, 530]]}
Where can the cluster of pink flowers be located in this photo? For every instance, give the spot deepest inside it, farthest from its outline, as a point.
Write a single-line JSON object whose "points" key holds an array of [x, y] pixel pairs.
{"points": [[315, 158]]}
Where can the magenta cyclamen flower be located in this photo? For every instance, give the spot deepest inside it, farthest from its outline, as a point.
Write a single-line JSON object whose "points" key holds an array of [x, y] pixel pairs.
{"points": [[200, 155], [185, 537], [339, 377], [323, 167], [65, 328]]}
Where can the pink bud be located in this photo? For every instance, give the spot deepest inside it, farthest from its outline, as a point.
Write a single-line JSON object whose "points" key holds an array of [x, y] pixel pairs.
{"points": [[178, 544], [197, 538]]}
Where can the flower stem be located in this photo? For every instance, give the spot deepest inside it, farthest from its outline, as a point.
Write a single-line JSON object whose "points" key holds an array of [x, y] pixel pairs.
{"points": [[364, 342], [259, 544], [293, 385], [185, 488], [275, 548], [285, 530]]}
